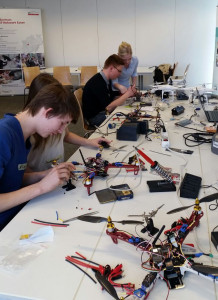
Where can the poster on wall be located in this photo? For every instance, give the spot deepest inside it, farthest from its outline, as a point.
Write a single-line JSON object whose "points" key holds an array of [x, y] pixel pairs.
{"points": [[21, 44]]}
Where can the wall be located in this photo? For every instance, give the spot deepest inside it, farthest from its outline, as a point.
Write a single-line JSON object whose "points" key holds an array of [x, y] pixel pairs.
{"points": [[86, 32]]}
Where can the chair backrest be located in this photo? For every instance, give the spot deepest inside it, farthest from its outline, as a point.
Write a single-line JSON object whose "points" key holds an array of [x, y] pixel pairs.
{"points": [[186, 71], [174, 68], [29, 74], [62, 74], [78, 95], [86, 73]]}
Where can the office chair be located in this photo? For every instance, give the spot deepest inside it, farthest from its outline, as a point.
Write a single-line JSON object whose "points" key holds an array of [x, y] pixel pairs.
{"points": [[86, 73], [29, 74], [62, 74], [87, 128]]}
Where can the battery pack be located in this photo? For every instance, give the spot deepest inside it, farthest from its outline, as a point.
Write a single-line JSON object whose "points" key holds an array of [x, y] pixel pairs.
{"points": [[161, 186]]}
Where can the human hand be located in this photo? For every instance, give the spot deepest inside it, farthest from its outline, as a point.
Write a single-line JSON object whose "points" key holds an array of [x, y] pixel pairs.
{"points": [[132, 90], [97, 141], [57, 176]]}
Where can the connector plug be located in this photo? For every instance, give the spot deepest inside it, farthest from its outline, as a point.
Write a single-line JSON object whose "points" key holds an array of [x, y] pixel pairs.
{"points": [[165, 139]]}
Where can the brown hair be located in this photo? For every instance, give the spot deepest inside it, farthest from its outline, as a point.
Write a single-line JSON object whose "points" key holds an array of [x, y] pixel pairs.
{"points": [[39, 82], [113, 60], [47, 92], [57, 97]]}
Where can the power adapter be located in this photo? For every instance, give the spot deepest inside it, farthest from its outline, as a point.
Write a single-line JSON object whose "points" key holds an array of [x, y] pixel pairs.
{"points": [[214, 238]]}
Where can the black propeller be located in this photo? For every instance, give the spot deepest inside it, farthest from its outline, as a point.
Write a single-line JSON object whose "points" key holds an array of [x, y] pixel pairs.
{"points": [[106, 285], [96, 219], [206, 270], [204, 199]]}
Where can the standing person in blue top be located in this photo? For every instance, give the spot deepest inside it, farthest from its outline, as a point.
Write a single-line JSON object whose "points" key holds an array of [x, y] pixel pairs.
{"points": [[51, 110], [128, 75]]}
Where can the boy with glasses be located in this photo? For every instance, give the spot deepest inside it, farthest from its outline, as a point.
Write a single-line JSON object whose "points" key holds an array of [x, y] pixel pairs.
{"points": [[98, 96]]}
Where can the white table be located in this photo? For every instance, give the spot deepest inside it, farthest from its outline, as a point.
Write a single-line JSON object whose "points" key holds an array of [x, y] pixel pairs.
{"points": [[49, 277]]}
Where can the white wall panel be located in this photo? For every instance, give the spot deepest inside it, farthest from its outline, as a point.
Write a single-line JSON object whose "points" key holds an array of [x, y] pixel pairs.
{"points": [[116, 23], [195, 39], [79, 21], [86, 32], [12, 4], [155, 32]]}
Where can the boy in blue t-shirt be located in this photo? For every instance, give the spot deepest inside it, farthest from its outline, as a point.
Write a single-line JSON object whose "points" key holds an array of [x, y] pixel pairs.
{"points": [[51, 110]]}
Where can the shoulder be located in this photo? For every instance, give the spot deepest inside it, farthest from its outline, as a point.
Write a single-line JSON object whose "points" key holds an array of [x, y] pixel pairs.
{"points": [[8, 125], [96, 80], [135, 59]]}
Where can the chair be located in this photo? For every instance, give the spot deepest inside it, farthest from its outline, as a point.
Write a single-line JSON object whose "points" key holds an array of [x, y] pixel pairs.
{"points": [[174, 68], [181, 79], [86, 73], [88, 129], [62, 74], [29, 74]]}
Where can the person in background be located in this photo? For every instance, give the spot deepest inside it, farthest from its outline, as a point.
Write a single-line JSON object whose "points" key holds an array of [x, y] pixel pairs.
{"points": [[98, 96], [51, 110], [45, 151], [128, 75]]}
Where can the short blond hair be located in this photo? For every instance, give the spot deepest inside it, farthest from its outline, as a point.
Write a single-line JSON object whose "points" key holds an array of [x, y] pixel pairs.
{"points": [[124, 49]]}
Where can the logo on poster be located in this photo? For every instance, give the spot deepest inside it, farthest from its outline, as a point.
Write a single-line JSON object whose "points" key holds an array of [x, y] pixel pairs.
{"points": [[33, 13]]}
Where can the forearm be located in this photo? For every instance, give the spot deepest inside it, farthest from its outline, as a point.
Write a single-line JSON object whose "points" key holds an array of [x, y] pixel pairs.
{"points": [[75, 139], [119, 101], [134, 80], [118, 86], [9, 200], [31, 177], [56, 176]]}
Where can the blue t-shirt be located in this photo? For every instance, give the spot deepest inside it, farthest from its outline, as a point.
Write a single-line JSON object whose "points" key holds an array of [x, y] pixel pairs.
{"points": [[127, 73], [13, 159]]}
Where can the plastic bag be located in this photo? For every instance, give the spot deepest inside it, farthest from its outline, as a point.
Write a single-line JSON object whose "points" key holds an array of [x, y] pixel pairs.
{"points": [[24, 251]]}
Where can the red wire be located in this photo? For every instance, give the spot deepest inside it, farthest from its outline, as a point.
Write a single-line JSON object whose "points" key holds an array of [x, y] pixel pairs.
{"points": [[47, 224], [79, 262], [80, 255], [167, 285]]}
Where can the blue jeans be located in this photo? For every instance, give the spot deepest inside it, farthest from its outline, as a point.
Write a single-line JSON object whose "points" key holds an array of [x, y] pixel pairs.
{"points": [[98, 119]]}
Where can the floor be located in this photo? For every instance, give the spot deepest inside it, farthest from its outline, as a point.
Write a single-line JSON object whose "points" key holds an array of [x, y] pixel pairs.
{"points": [[14, 104]]}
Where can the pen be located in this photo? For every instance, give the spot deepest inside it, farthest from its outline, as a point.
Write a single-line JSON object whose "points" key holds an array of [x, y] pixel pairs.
{"points": [[180, 150]]}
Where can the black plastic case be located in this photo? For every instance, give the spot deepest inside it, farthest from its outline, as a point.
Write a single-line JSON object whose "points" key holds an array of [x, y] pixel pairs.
{"points": [[190, 186]]}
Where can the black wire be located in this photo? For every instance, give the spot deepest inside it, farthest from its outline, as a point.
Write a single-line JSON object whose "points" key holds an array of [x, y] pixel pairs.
{"points": [[215, 228], [197, 138], [195, 113], [82, 271], [158, 125], [209, 186], [45, 222], [81, 258], [213, 206]]}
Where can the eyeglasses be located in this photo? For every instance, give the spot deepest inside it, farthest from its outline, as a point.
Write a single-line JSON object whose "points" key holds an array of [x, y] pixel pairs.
{"points": [[117, 69]]}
